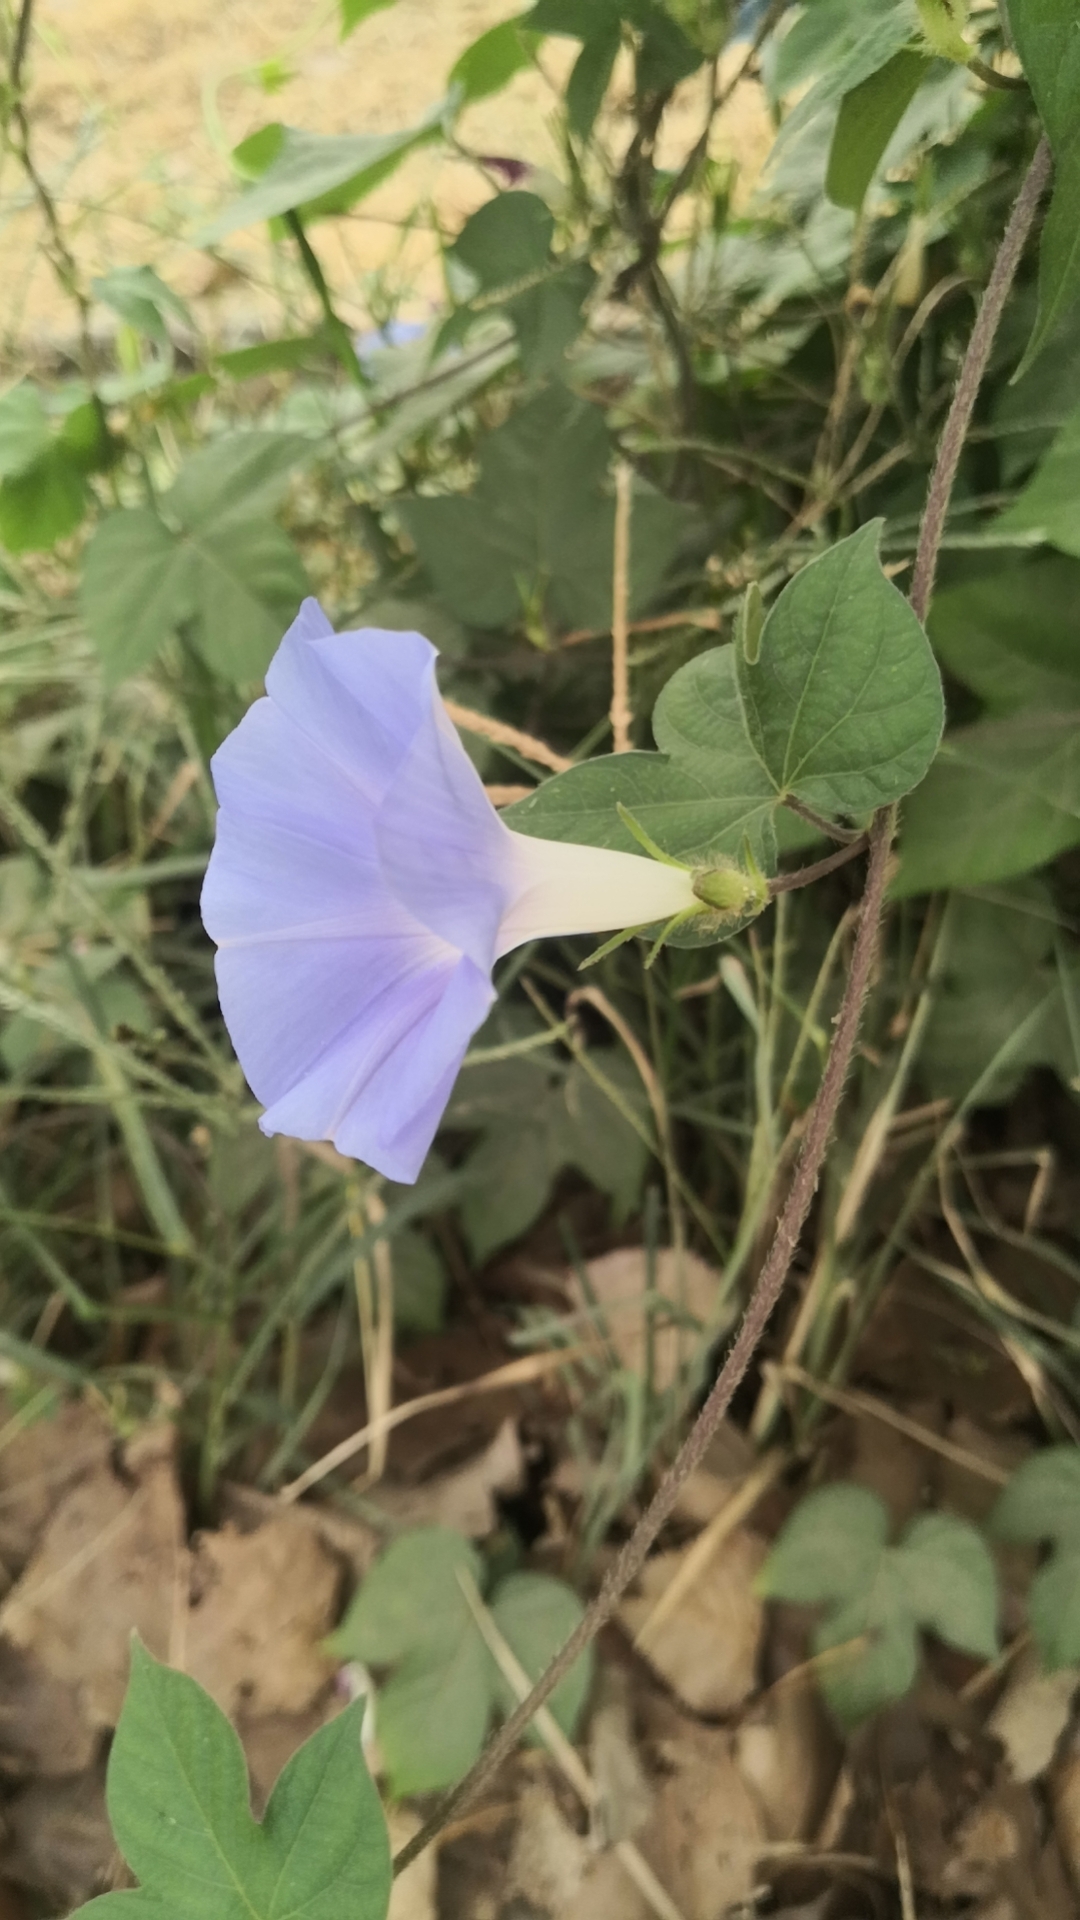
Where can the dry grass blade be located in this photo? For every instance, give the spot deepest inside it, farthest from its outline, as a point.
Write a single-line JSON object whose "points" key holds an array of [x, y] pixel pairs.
{"points": [[516, 1373], [565, 1755]]}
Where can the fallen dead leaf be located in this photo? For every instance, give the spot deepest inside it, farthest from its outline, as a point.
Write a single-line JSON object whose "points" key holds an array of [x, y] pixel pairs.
{"points": [[728, 1459], [414, 1894], [38, 1463], [355, 1544], [58, 1839], [706, 1832], [788, 1754], [271, 1740], [618, 1280], [623, 1796], [1065, 1798], [42, 1729], [1032, 1714], [707, 1647], [109, 1562], [261, 1603], [464, 1499], [558, 1870]]}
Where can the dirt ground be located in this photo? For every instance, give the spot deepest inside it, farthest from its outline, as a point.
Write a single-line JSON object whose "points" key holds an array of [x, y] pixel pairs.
{"points": [[136, 105]]}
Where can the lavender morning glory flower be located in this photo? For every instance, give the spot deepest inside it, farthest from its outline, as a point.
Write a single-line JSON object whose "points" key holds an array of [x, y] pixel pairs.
{"points": [[362, 886]]}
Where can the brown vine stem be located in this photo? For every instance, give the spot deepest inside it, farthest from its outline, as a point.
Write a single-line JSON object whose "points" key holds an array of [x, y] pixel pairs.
{"points": [[822, 1115], [971, 373]]}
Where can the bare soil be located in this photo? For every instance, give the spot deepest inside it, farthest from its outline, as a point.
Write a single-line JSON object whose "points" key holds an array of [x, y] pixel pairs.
{"points": [[136, 105]]}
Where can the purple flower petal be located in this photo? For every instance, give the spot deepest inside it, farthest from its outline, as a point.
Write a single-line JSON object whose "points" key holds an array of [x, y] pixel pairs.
{"points": [[361, 886]]}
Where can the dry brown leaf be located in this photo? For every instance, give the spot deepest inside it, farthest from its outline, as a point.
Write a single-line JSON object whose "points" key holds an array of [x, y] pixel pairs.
{"points": [[788, 1754], [109, 1562], [58, 1839], [261, 1603], [706, 1831], [38, 1463], [42, 1729], [623, 1796], [1032, 1714], [707, 1648], [1065, 1795], [271, 1740], [618, 1281], [558, 1870], [465, 1499], [414, 1895], [355, 1544], [729, 1457]]}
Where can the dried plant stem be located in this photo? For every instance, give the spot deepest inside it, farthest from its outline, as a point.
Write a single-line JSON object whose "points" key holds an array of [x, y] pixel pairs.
{"points": [[621, 715], [501, 735], [822, 1116], [952, 440]]}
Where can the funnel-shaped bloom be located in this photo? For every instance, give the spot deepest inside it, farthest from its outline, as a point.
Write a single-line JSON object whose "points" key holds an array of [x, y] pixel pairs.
{"points": [[362, 886]]}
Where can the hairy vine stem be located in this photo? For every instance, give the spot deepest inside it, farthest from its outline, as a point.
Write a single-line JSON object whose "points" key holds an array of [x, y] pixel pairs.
{"points": [[822, 1115]]}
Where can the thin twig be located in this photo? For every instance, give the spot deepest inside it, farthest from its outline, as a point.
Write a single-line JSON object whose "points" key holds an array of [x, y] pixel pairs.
{"points": [[621, 715], [952, 439], [516, 1373], [805, 876], [822, 1116], [501, 735]]}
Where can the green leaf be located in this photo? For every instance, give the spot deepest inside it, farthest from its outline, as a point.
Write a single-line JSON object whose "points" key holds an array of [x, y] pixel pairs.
{"points": [[547, 318], [1042, 1502], [220, 564], [412, 1614], [355, 12], [940, 1577], [540, 523], [1054, 1609], [590, 78], [941, 21], [869, 116], [829, 1549], [506, 239], [136, 589], [1002, 798], [235, 476], [411, 1598], [536, 1615], [843, 48], [178, 1800], [43, 503], [490, 62], [843, 706], [317, 173], [419, 1284], [1047, 38], [949, 1580], [24, 430], [872, 1653], [1010, 634], [1000, 982], [274, 356], [690, 820], [535, 1124], [141, 297], [1048, 508]]}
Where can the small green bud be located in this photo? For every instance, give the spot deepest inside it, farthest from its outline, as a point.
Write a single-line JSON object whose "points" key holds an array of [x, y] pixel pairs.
{"points": [[730, 890], [749, 623], [941, 22]]}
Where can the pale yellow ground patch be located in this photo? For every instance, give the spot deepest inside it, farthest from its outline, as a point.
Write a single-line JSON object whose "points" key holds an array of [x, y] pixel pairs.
{"points": [[135, 106]]}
